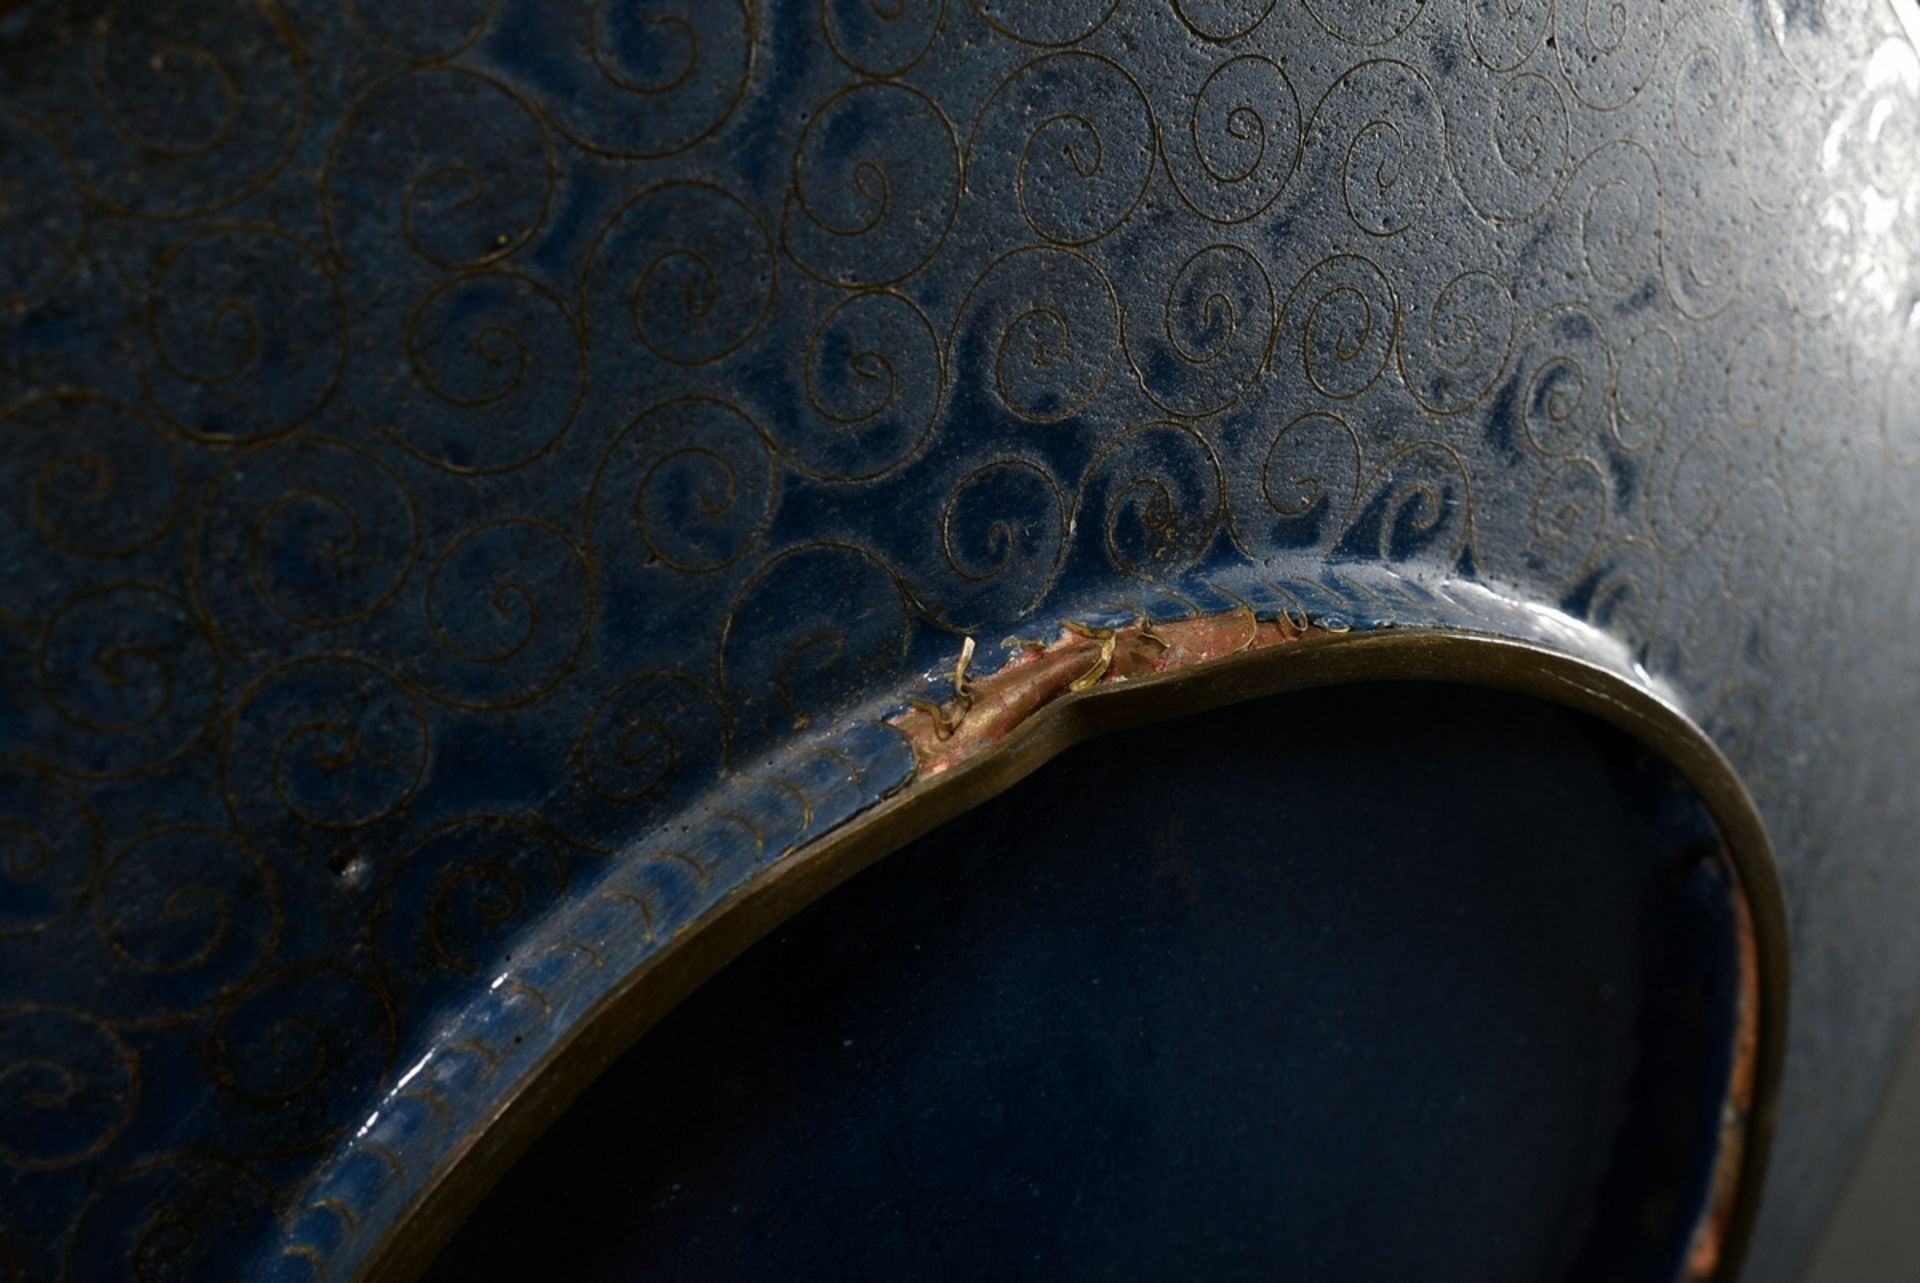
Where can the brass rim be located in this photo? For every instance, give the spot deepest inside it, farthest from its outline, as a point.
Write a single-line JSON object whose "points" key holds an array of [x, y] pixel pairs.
{"points": [[758, 906]]}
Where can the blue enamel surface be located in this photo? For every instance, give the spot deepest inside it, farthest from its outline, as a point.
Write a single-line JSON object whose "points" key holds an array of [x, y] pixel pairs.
{"points": [[445, 447]]}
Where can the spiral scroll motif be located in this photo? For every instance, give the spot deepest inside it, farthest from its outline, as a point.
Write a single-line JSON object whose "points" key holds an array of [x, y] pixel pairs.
{"points": [[1564, 369], [876, 181], [1569, 518], [322, 746], [1693, 493], [292, 1049], [1513, 159], [132, 676], [1646, 397], [1155, 498], [174, 1217], [498, 372], [1390, 164], [644, 78], [1790, 23], [301, 536], [1043, 326], [1002, 537], [1701, 261], [1070, 139], [408, 166], [688, 486], [881, 37], [1242, 141], [187, 912], [650, 733], [67, 1088], [508, 607], [1306, 487], [1616, 193], [479, 879], [425, 34], [1454, 351], [685, 269], [1199, 350], [90, 481], [1366, 22], [1341, 319], [1706, 81], [248, 334], [875, 379], [191, 111], [792, 650], [1416, 506], [1622, 591], [1608, 48]]}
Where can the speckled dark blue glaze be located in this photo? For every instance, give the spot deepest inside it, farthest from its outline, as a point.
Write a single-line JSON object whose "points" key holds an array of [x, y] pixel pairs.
{"points": [[447, 448]]}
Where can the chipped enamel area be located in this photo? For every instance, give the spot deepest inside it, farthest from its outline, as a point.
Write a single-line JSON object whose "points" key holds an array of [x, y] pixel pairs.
{"points": [[985, 711]]}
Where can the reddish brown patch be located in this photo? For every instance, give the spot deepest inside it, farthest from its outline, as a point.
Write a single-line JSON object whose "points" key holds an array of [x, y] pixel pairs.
{"points": [[1080, 658], [1709, 1241]]}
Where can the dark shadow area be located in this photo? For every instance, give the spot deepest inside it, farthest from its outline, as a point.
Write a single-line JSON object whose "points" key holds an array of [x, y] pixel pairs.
{"points": [[1381, 983]]}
